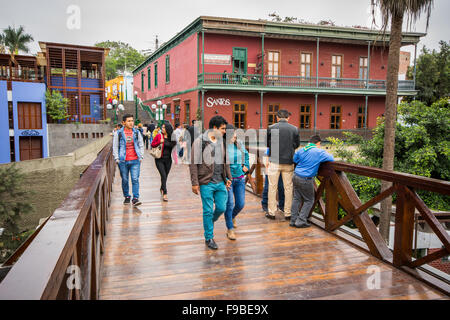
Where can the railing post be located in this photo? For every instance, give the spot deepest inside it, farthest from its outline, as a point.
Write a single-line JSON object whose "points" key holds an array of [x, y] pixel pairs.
{"points": [[404, 228], [331, 205]]}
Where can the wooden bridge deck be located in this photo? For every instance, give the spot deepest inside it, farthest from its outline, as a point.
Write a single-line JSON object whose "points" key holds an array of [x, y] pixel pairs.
{"points": [[157, 251]]}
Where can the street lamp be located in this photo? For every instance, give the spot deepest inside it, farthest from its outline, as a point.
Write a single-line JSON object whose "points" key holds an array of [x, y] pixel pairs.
{"points": [[115, 108], [160, 111]]}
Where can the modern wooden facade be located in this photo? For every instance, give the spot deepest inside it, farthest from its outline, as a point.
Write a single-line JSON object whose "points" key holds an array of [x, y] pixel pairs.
{"points": [[79, 73]]}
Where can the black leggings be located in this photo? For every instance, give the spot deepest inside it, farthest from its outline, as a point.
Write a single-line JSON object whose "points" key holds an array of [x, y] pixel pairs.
{"points": [[163, 165]]}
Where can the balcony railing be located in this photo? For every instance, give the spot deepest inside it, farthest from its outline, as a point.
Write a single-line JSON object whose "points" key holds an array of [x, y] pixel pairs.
{"points": [[299, 82], [21, 74]]}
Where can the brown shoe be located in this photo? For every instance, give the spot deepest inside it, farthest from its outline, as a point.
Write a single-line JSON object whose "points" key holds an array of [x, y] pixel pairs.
{"points": [[234, 223], [231, 235]]}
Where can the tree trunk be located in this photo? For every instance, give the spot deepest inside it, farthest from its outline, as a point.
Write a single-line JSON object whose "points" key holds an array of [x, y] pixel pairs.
{"points": [[390, 117]]}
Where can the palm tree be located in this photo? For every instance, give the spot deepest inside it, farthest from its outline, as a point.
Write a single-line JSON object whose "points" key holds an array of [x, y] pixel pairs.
{"points": [[2, 43], [15, 40], [393, 12]]}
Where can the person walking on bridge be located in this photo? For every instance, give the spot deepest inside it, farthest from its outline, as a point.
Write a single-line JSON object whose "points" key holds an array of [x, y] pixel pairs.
{"points": [[164, 164], [210, 175], [128, 152], [238, 159]]}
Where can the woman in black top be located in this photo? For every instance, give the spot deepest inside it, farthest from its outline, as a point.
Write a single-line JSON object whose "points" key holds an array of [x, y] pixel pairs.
{"points": [[164, 163]]}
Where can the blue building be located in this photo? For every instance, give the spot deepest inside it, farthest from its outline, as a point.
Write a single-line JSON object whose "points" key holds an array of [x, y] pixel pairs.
{"points": [[23, 123]]}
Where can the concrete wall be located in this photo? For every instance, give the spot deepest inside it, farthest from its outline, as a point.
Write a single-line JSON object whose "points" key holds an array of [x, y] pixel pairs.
{"points": [[57, 162], [65, 138]]}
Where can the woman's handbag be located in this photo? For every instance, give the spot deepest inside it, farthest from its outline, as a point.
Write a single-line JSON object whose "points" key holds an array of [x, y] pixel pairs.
{"points": [[156, 151], [181, 153]]}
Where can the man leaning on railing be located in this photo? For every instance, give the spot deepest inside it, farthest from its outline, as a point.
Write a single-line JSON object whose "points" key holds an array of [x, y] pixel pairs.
{"points": [[307, 161]]}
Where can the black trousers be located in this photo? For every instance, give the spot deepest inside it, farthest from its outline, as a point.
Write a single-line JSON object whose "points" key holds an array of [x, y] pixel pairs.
{"points": [[146, 142], [163, 165]]}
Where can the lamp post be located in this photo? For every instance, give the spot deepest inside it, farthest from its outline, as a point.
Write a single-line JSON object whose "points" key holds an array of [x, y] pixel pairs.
{"points": [[136, 121], [160, 109], [115, 108], [121, 92]]}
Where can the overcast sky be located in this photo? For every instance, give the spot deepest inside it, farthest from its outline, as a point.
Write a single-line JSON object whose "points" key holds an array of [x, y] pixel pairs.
{"points": [[137, 22]]}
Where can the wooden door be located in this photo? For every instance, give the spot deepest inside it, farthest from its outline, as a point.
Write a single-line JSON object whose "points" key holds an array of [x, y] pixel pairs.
{"points": [[30, 148]]}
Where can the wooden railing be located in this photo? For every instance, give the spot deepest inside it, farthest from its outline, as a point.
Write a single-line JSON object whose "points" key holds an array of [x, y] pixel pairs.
{"points": [[62, 258], [339, 192]]}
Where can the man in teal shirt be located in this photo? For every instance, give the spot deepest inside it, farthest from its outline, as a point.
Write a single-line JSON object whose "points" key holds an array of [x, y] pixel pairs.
{"points": [[307, 161]]}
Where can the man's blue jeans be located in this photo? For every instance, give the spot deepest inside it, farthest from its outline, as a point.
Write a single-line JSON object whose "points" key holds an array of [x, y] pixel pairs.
{"points": [[127, 167], [236, 201], [265, 194], [212, 194]]}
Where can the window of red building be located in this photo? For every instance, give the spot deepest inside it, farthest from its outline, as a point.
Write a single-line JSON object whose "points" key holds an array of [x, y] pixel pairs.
{"points": [[273, 63], [360, 117], [335, 117], [363, 67], [272, 112], [305, 116], [240, 114], [305, 64], [187, 112], [336, 66]]}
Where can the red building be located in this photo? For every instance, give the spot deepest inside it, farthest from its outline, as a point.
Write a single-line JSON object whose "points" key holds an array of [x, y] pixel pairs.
{"points": [[329, 78]]}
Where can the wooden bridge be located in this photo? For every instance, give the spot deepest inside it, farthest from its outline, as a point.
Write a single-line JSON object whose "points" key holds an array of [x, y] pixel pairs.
{"points": [[157, 250]]}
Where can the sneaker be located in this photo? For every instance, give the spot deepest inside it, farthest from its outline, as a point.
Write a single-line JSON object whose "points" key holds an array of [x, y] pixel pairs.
{"points": [[234, 223], [288, 218], [231, 235], [136, 202], [127, 200], [211, 244]]}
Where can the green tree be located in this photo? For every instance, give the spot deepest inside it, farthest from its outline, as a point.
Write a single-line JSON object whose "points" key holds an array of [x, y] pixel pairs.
{"points": [[15, 40], [393, 12], [121, 58], [432, 74], [422, 147], [2, 43], [13, 199], [56, 105]]}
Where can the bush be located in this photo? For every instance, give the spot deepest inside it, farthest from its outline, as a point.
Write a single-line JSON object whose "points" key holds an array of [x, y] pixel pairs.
{"points": [[422, 147]]}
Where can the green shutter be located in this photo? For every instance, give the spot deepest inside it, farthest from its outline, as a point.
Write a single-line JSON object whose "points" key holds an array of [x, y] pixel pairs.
{"points": [[142, 81], [149, 78], [167, 69], [156, 74]]}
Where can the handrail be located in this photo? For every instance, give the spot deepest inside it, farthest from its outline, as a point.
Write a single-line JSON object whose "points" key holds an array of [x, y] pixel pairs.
{"points": [[339, 192], [228, 79], [63, 261]]}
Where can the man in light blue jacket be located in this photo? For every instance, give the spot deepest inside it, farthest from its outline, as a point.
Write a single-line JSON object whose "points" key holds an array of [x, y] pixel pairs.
{"points": [[128, 152], [307, 161]]}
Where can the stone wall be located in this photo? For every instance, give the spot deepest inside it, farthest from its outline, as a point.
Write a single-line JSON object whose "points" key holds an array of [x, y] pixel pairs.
{"points": [[66, 138]]}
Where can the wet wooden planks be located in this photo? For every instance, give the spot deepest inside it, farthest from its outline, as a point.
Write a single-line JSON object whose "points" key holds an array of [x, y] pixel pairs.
{"points": [[157, 251]]}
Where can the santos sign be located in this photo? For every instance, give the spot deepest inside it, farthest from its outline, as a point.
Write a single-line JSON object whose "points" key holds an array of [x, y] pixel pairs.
{"points": [[211, 102]]}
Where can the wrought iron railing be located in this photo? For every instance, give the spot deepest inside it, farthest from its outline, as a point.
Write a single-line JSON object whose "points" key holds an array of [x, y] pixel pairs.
{"points": [[233, 79]]}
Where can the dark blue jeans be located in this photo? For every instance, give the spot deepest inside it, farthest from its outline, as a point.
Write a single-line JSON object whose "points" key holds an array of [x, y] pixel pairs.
{"points": [[265, 194], [126, 168], [236, 201]]}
